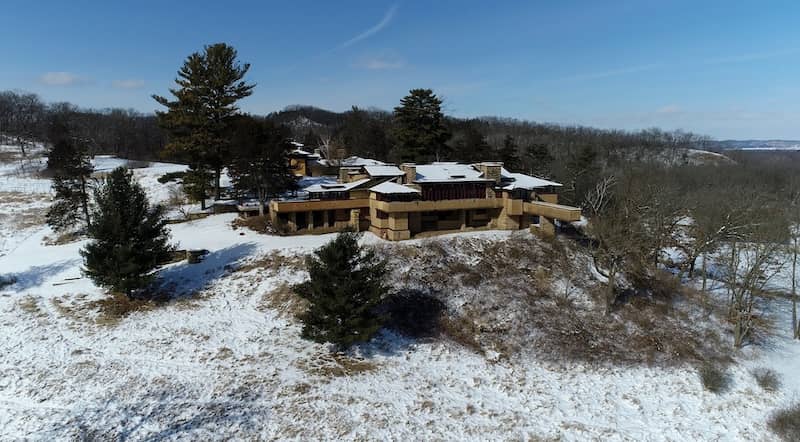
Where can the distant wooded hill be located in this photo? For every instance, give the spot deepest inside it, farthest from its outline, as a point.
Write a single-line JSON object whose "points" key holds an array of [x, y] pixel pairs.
{"points": [[758, 144]]}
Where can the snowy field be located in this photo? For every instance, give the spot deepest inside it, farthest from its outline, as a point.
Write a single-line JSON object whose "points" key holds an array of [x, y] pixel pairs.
{"points": [[225, 361]]}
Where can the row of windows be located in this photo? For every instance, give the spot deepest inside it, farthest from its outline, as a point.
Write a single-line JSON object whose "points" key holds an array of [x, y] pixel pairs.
{"points": [[436, 192]]}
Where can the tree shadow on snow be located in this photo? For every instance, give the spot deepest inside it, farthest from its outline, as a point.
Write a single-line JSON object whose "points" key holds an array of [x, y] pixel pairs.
{"points": [[184, 279], [412, 316], [155, 416], [35, 276]]}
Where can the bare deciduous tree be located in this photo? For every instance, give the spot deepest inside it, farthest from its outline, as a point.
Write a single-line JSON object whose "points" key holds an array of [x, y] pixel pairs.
{"points": [[753, 258]]}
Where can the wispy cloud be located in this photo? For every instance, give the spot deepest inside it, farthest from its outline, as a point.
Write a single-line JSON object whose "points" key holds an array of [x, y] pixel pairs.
{"points": [[62, 79], [670, 109], [377, 64], [128, 84], [742, 58], [387, 18], [380, 60]]}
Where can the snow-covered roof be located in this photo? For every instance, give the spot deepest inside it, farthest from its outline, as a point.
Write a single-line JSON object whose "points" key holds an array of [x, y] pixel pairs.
{"points": [[335, 187], [390, 187], [351, 162], [358, 161], [522, 181], [383, 171], [442, 172], [303, 153]]}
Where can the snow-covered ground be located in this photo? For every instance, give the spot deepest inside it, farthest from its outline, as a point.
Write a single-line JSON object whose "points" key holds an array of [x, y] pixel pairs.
{"points": [[225, 362]]}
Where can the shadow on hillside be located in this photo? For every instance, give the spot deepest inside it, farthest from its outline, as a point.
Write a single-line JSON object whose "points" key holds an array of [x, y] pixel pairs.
{"points": [[164, 415], [184, 278], [36, 276], [413, 316]]}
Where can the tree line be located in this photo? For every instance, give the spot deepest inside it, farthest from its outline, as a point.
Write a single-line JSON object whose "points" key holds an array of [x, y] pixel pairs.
{"points": [[26, 119]]}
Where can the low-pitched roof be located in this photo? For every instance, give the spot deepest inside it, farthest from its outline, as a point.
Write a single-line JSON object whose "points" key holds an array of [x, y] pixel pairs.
{"points": [[389, 187], [522, 181], [351, 162], [335, 187], [303, 153], [383, 171], [447, 172]]}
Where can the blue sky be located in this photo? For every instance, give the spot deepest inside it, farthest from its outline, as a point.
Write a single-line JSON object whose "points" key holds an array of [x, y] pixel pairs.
{"points": [[724, 68]]}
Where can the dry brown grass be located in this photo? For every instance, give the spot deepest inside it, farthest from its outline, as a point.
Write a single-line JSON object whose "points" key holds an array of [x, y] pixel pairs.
{"points": [[115, 307], [283, 300], [767, 378], [714, 377], [786, 423], [257, 223], [274, 262], [499, 295], [30, 305], [7, 156], [336, 365], [25, 217], [63, 238], [461, 330]]}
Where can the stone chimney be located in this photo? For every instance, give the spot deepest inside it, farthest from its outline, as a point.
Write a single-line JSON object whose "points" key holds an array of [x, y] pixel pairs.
{"points": [[344, 175], [491, 171], [410, 170]]}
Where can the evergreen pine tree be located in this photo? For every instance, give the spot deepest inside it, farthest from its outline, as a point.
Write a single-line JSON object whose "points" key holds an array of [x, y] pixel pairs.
{"points": [[129, 237], [71, 166], [420, 127], [210, 84], [472, 145], [310, 140], [539, 160], [260, 162], [345, 286], [509, 154], [196, 183]]}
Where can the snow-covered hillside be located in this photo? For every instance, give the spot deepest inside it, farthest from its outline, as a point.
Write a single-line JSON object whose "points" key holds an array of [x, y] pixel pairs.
{"points": [[225, 361]]}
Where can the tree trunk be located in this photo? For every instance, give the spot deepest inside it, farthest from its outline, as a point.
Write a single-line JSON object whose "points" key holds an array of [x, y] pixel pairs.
{"points": [[610, 290], [217, 175], [691, 266], [795, 325], [85, 203], [262, 202], [732, 271], [705, 278]]}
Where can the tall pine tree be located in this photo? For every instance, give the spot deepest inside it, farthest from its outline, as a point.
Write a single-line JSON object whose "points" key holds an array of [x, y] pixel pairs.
{"points": [[210, 83], [346, 285], [260, 163], [129, 236], [420, 127], [509, 154], [71, 166], [471, 146], [539, 160]]}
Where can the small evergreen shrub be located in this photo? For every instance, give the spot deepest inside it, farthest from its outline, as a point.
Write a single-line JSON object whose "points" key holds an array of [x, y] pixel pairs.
{"points": [[129, 237], [347, 283], [171, 176], [714, 378]]}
